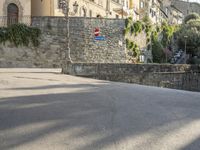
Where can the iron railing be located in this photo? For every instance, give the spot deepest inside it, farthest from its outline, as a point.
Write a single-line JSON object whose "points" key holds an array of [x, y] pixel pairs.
{"points": [[8, 20]]}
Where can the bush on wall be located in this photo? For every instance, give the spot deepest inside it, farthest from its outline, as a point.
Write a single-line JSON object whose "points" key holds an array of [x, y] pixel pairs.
{"points": [[133, 28], [133, 49], [157, 52], [20, 35], [158, 36]]}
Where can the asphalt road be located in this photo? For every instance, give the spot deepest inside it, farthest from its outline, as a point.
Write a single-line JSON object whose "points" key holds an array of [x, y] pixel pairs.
{"points": [[45, 110]]}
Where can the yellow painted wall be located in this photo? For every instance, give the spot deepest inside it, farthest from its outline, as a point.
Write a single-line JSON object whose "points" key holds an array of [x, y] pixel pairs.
{"points": [[42, 8], [1, 7], [94, 7], [114, 6]]}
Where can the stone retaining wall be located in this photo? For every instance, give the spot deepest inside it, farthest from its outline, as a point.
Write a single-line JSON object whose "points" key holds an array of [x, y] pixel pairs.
{"points": [[185, 77], [84, 48]]}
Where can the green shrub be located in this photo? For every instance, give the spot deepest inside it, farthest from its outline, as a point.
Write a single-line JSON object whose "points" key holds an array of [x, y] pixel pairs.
{"points": [[157, 52], [193, 16], [20, 35]]}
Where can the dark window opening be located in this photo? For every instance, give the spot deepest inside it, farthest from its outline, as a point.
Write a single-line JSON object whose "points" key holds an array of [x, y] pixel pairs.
{"points": [[13, 14]]}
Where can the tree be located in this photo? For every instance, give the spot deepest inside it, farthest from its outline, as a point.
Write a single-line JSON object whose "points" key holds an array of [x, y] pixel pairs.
{"points": [[191, 29], [167, 33], [157, 49], [193, 16], [157, 52]]}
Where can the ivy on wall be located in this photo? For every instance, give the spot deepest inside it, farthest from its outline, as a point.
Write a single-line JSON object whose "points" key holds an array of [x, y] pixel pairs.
{"points": [[133, 48], [134, 28], [165, 31], [20, 35]]}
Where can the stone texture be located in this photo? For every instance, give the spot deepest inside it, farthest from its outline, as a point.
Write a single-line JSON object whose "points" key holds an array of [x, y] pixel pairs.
{"points": [[84, 48], [185, 77]]}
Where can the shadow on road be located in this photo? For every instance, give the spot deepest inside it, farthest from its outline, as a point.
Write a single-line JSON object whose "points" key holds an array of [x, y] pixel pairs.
{"points": [[104, 116]]}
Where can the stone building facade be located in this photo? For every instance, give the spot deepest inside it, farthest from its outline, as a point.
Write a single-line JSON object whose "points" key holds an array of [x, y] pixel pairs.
{"points": [[152, 9], [12, 11], [187, 7], [82, 8], [175, 16]]}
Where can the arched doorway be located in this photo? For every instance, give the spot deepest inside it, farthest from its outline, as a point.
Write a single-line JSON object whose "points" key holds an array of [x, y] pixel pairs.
{"points": [[13, 14]]}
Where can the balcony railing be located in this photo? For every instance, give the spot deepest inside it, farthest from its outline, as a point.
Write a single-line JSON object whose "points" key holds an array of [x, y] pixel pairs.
{"points": [[7, 20]]}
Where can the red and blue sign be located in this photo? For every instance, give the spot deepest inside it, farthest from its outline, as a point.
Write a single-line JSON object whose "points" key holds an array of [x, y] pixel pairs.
{"points": [[100, 38], [96, 32], [97, 35]]}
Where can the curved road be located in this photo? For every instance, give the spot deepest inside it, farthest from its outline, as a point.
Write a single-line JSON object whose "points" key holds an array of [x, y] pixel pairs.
{"points": [[45, 110]]}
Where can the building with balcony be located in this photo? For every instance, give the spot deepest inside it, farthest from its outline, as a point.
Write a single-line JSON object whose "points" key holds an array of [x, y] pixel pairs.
{"points": [[187, 7], [134, 6], [152, 9], [175, 16], [160, 10], [82, 8], [119, 8]]}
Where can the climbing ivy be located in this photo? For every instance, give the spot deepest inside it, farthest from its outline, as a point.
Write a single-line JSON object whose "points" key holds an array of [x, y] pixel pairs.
{"points": [[148, 31], [20, 35], [137, 28], [165, 32], [134, 28], [133, 48]]}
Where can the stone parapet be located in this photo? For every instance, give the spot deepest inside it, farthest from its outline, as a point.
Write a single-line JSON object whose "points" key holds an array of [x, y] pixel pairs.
{"points": [[184, 77]]}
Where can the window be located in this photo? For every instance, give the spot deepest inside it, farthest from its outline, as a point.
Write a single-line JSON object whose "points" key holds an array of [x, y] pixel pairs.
{"points": [[13, 13], [141, 4]]}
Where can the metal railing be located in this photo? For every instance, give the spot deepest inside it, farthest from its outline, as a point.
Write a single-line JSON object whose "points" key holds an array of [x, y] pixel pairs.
{"points": [[8, 20]]}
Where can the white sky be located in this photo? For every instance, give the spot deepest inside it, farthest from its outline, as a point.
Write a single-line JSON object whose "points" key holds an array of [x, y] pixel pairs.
{"points": [[195, 1], [198, 1]]}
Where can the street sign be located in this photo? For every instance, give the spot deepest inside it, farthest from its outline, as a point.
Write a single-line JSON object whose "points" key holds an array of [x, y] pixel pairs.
{"points": [[97, 32], [100, 38]]}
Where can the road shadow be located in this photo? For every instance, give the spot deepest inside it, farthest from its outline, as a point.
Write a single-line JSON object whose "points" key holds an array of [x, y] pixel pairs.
{"points": [[110, 114], [57, 86], [195, 145]]}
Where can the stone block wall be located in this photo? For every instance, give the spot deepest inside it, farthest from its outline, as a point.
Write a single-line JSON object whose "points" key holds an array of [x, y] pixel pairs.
{"points": [[185, 77], [48, 55], [110, 50], [84, 48]]}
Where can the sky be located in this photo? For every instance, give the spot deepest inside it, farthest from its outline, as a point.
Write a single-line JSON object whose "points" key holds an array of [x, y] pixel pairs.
{"points": [[195, 1], [198, 1]]}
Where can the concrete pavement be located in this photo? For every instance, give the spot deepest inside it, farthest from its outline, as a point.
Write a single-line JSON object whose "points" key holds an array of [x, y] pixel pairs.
{"points": [[45, 110]]}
